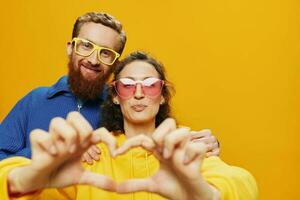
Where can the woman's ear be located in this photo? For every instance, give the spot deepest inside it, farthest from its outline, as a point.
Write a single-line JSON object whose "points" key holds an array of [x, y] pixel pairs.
{"points": [[162, 101], [116, 100], [69, 49]]}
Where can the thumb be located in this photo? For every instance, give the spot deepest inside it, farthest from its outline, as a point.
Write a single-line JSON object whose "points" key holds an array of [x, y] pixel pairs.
{"points": [[136, 185], [98, 180]]}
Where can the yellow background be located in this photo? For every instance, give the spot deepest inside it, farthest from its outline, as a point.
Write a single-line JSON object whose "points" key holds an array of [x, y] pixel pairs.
{"points": [[235, 65]]}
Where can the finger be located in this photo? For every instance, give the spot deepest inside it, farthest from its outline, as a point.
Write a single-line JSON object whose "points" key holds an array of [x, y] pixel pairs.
{"points": [[83, 159], [102, 135], [208, 140], [162, 130], [136, 141], [93, 154], [87, 158], [212, 146], [135, 185], [96, 149], [194, 151], [200, 134], [215, 152], [82, 126], [63, 135], [42, 140], [97, 180], [173, 139]]}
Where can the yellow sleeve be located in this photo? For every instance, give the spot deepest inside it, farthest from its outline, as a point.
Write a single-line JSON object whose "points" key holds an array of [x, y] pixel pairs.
{"points": [[234, 183], [8, 164]]}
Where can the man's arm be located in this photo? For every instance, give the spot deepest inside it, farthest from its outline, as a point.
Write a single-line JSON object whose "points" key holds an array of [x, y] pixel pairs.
{"points": [[13, 131], [206, 136]]}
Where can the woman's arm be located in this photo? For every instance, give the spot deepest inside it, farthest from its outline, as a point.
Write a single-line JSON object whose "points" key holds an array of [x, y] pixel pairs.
{"points": [[184, 171], [56, 157]]}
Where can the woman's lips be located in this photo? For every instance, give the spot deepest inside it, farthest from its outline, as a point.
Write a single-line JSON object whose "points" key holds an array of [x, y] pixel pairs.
{"points": [[139, 108]]}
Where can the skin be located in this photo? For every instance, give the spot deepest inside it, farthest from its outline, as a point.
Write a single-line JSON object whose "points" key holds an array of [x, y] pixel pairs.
{"points": [[139, 70], [139, 109], [101, 35], [180, 159], [90, 67], [178, 176], [135, 72]]}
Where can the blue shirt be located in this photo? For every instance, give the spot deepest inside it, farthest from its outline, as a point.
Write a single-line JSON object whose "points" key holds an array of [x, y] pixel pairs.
{"points": [[36, 110]]}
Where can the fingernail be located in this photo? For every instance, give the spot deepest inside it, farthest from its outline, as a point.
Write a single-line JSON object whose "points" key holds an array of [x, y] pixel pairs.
{"points": [[90, 162], [166, 153]]}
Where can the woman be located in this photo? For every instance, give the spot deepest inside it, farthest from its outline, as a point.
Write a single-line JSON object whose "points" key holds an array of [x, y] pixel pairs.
{"points": [[166, 163]]}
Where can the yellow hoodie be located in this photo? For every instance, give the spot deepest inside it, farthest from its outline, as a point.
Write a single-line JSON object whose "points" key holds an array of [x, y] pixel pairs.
{"points": [[232, 182]]}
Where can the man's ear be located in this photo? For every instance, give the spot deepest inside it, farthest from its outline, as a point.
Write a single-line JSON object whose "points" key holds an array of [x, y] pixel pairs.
{"points": [[116, 100], [69, 49]]}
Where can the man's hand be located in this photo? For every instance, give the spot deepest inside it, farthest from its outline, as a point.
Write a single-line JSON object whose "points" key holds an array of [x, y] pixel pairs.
{"points": [[93, 153], [205, 136]]}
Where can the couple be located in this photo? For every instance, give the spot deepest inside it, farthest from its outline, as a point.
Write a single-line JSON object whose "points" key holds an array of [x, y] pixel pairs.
{"points": [[98, 40], [166, 164], [137, 103]]}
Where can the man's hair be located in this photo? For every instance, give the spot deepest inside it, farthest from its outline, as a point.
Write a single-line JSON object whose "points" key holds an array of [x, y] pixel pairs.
{"points": [[112, 118], [104, 19]]}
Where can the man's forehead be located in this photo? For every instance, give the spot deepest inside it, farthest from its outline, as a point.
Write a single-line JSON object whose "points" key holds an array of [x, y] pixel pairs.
{"points": [[100, 35]]}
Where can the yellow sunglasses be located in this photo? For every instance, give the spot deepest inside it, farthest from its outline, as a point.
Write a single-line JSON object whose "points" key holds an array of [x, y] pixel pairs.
{"points": [[85, 48]]}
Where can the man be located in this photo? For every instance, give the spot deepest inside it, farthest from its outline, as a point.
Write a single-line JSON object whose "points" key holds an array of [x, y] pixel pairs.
{"points": [[98, 40]]}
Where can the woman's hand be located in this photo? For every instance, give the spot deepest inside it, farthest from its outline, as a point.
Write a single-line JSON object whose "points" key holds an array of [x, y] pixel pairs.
{"points": [[179, 174], [56, 157]]}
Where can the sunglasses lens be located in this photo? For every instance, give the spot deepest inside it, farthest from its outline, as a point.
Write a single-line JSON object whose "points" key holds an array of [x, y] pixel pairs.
{"points": [[107, 56], [126, 87], [83, 47], [152, 90], [124, 90]]}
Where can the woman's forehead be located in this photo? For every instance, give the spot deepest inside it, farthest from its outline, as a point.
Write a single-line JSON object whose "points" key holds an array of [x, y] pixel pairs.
{"points": [[139, 70]]}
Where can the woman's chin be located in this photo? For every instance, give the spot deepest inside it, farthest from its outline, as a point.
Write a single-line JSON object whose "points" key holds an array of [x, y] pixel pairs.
{"points": [[141, 118]]}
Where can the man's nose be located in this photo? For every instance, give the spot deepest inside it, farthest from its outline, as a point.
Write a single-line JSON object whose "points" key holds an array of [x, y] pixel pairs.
{"points": [[93, 58], [139, 94]]}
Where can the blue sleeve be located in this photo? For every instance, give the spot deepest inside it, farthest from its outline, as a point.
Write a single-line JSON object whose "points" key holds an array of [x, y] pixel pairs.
{"points": [[13, 130]]}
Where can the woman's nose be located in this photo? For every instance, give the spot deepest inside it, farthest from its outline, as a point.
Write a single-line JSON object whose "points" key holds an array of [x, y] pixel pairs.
{"points": [[138, 91]]}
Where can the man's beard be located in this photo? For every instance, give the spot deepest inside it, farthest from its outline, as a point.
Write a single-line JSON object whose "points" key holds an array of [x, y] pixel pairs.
{"points": [[83, 88]]}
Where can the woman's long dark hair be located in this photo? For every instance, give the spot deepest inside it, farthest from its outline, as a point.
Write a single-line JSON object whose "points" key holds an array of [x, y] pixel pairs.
{"points": [[112, 118]]}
